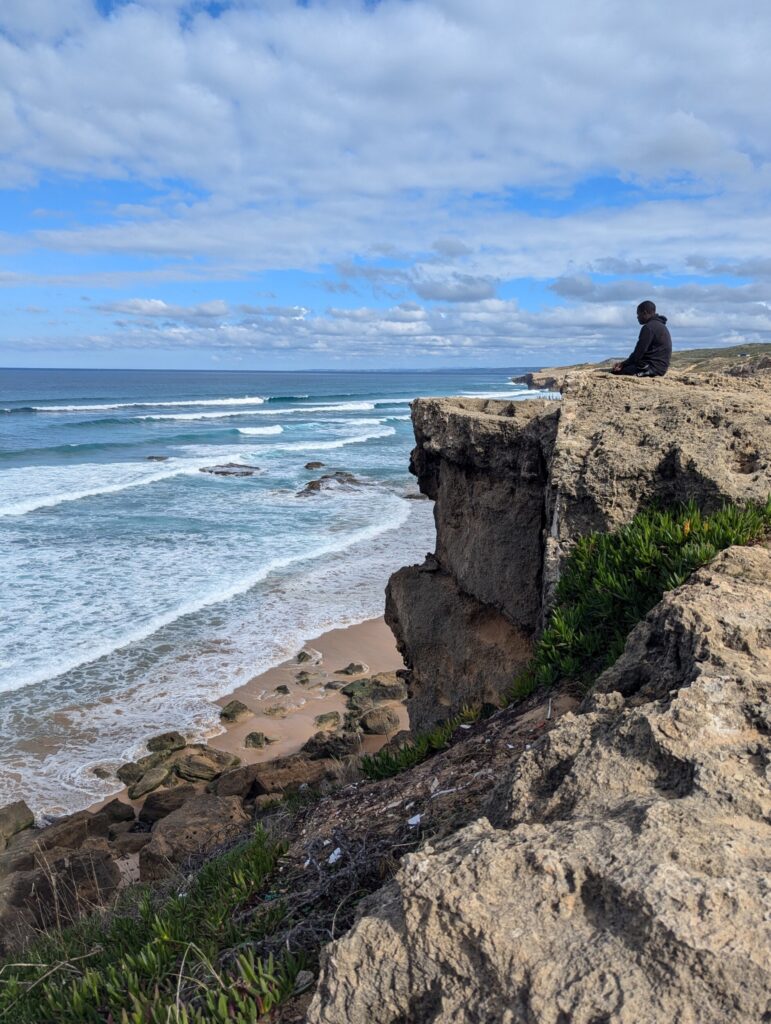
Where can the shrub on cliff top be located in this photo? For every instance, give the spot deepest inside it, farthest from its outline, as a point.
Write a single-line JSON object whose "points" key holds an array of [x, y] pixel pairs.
{"points": [[168, 964], [612, 580]]}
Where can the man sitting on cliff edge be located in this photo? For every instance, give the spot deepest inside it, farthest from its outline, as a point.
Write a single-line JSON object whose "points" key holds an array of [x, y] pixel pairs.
{"points": [[654, 346]]}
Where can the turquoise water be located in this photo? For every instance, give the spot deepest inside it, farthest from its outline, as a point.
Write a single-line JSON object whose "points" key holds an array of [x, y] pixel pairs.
{"points": [[138, 588]]}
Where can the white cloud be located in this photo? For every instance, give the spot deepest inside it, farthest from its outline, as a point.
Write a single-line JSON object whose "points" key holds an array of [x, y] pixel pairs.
{"points": [[495, 331], [160, 308], [285, 99], [392, 141]]}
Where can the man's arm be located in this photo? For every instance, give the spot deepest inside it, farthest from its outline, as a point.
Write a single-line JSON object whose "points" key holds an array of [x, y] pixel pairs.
{"points": [[642, 346]]}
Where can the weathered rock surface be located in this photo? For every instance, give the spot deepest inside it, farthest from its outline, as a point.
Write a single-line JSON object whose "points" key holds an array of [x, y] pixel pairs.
{"points": [[328, 722], [257, 739], [336, 744], [515, 484], [14, 817], [232, 469], [166, 741], [379, 721], [280, 776], [151, 780], [288, 774], [366, 693], [625, 877], [353, 668], [329, 480], [460, 650], [234, 711], [197, 827], [162, 802]]}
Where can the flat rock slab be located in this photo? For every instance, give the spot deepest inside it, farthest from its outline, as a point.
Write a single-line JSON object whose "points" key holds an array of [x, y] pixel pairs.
{"points": [[232, 469]]}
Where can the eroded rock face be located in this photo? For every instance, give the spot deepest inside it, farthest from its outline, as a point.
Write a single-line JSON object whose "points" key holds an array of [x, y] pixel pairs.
{"points": [[515, 485], [460, 650], [625, 877], [485, 464]]}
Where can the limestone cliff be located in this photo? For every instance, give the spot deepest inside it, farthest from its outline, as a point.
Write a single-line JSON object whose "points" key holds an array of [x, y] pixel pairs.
{"points": [[621, 871], [514, 485]]}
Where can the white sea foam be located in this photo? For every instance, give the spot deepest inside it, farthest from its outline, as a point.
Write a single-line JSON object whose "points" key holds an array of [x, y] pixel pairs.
{"points": [[46, 487], [267, 625], [261, 431], [342, 442], [513, 394], [216, 596], [294, 410], [221, 415], [105, 406]]}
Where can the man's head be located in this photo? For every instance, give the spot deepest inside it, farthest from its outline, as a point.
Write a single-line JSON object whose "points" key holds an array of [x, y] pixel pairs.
{"points": [[646, 311]]}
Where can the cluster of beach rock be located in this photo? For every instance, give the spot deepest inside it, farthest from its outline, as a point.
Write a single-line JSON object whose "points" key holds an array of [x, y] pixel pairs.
{"points": [[183, 800]]}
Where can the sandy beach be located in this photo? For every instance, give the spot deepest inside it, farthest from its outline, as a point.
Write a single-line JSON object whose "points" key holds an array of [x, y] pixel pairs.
{"points": [[369, 643]]}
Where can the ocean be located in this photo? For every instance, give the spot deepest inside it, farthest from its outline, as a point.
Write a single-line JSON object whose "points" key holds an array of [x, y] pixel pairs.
{"points": [[138, 588]]}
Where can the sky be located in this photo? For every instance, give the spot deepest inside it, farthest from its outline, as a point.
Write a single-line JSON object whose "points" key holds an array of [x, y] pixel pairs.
{"points": [[353, 184]]}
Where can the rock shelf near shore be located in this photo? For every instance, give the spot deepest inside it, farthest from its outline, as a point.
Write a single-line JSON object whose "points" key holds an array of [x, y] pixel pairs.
{"points": [[186, 799]]}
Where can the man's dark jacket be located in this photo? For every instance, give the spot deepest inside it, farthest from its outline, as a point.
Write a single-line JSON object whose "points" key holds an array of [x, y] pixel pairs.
{"points": [[653, 350]]}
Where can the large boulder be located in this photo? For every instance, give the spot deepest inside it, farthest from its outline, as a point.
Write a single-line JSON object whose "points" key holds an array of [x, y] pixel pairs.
{"points": [[332, 745], [379, 721], [14, 817], [166, 741], [195, 828], [234, 711], [163, 801], [288, 774], [149, 781], [624, 877]]}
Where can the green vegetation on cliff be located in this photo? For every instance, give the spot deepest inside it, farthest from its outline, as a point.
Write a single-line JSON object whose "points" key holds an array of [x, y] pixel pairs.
{"points": [[185, 959], [388, 762], [612, 580]]}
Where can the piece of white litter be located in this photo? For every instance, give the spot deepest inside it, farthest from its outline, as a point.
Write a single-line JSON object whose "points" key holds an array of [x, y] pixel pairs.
{"points": [[327, 842], [528, 746], [510, 746], [414, 820], [305, 865], [335, 856], [465, 727]]}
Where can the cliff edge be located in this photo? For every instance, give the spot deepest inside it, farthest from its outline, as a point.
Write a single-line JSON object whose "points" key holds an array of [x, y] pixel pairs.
{"points": [[516, 483], [621, 871]]}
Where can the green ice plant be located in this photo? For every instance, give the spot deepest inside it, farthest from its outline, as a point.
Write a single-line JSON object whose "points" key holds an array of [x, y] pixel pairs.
{"points": [[387, 763], [164, 961], [612, 580]]}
